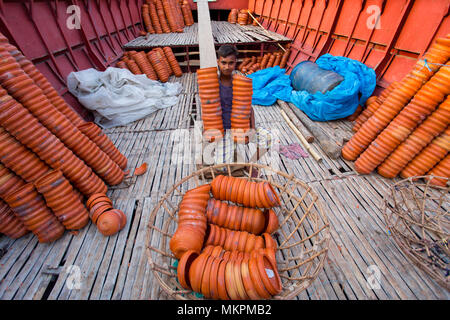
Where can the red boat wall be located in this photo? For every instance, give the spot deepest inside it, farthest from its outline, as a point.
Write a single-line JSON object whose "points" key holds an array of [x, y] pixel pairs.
{"points": [[405, 30], [48, 34]]}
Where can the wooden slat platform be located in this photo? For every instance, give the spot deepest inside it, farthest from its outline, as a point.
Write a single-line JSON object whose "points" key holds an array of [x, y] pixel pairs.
{"points": [[223, 32], [116, 267]]}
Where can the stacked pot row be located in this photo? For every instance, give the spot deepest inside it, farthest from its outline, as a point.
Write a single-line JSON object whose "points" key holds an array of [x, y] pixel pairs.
{"points": [[32, 210], [187, 13], [27, 129], [250, 65], [51, 94], [10, 225], [157, 64], [429, 157], [241, 218], [108, 220], [241, 108], [425, 101], [372, 105], [405, 119], [33, 101], [434, 125], [191, 230], [65, 202], [245, 192], [208, 87], [163, 16], [225, 275], [232, 240], [438, 55]]}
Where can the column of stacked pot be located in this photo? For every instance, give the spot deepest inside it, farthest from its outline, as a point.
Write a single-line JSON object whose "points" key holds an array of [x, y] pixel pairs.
{"points": [[158, 64], [241, 108], [165, 16], [208, 88], [252, 64], [241, 17], [223, 243], [409, 118], [39, 138]]}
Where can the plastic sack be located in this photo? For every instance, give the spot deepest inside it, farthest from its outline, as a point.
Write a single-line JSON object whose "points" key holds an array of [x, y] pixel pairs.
{"points": [[118, 97], [359, 83], [269, 85]]}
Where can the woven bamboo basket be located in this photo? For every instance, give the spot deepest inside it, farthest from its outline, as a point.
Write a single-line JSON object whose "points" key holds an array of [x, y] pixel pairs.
{"points": [[303, 236], [417, 215]]}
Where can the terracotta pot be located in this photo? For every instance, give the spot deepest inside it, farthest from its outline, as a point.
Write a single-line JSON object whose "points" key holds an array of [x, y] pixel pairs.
{"points": [[196, 272], [269, 274], [213, 278], [257, 281], [108, 223], [230, 281]]}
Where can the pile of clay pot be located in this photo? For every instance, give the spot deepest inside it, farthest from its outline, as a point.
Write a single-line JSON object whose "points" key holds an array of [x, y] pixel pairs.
{"points": [[250, 65], [208, 85], [158, 64], [225, 251], [50, 158], [109, 220], [165, 16], [405, 129], [241, 17]]}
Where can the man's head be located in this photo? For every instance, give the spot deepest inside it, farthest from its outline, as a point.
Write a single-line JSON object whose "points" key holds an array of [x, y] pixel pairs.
{"points": [[227, 58]]}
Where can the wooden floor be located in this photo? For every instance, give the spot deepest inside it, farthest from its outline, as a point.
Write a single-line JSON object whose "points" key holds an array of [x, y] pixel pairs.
{"points": [[223, 32], [116, 267]]}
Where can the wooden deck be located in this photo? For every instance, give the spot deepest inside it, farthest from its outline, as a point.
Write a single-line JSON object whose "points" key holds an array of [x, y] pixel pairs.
{"points": [[223, 33], [116, 267]]}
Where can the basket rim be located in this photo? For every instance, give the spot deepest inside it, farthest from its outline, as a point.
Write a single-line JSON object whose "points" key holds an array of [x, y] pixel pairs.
{"points": [[401, 239], [250, 165]]}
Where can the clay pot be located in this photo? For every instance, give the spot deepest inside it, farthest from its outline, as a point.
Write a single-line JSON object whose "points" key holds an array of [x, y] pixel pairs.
{"points": [[172, 61], [109, 223]]}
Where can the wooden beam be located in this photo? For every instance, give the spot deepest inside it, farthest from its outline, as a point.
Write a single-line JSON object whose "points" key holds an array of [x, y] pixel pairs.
{"points": [[208, 56]]}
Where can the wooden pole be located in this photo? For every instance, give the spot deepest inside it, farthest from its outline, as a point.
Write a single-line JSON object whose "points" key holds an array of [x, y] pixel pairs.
{"points": [[308, 147]]}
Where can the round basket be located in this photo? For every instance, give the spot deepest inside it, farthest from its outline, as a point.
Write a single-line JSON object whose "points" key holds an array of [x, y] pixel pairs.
{"points": [[417, 215], [303, 236]]}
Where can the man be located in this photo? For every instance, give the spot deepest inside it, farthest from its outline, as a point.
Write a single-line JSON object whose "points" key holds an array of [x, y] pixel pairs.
{"points": [[227, 60]]}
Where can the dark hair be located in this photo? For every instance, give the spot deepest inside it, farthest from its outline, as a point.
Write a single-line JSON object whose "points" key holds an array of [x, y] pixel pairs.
{"points": [[227, 50]]}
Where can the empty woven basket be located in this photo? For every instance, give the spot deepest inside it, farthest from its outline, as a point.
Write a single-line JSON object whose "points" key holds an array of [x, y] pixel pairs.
{"points": [[417, 215], [303, 236]]}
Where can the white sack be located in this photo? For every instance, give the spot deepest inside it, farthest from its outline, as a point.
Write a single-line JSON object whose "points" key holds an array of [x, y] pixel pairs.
{"points": [[118, 97]]}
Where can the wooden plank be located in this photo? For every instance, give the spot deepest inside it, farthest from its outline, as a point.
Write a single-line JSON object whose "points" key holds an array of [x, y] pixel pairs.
{"points": [[208, 56]]}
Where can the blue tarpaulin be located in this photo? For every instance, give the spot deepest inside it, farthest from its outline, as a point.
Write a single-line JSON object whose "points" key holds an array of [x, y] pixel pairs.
{"points": [[272, 83]]}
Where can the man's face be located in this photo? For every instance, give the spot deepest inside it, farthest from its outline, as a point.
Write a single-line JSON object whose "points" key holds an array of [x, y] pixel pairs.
{"points": [[227, 64]]}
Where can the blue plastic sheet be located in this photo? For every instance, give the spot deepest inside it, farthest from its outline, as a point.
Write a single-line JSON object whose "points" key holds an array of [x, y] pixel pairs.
{"points": [[269, 85], [359, 83]]}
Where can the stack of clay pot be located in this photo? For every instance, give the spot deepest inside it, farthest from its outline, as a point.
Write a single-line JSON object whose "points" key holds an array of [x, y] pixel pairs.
{"points": [[108, 220], [252, 64], [96, 134], [10, 225], [165, 16], [372, 105], [30, 207], [187, 13], [208, 87], [425, 101], [65, 202], [47, 164], [241, 108], [396, 132], [233, 16], [226, 251], [243, 17], [158, 64]]}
